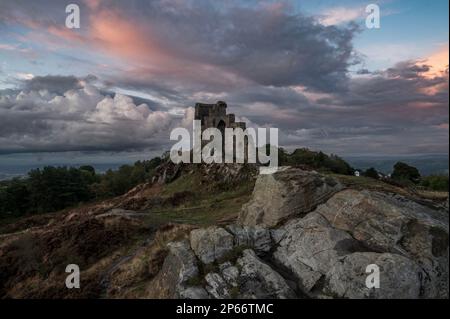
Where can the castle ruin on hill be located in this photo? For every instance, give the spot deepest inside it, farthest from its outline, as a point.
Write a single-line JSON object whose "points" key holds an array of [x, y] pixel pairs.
{"points": [[215, 115], [218, 138]]}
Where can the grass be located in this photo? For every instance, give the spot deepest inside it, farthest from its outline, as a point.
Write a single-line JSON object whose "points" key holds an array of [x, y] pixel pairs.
{"points": [[203, 212], [433, 195], [204, 206]]}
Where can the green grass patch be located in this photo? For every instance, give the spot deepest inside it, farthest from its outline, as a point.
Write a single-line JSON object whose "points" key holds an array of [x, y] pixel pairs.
{"points": [[204, 206]]}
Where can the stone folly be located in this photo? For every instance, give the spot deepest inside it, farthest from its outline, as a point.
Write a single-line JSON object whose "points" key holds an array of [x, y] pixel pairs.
{"points": [[218, 138]]}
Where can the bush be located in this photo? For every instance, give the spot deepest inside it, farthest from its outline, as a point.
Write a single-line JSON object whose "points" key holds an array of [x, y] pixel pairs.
{"points": [[316, 160], [371, 172], [436, 183], [403, 171]]}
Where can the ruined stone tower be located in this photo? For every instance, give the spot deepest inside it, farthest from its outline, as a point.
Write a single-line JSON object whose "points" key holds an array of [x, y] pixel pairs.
{"points": [[215, 115]]}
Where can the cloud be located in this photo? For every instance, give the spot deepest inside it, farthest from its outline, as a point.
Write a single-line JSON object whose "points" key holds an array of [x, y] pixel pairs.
{"points": [[339, 15], [438, 62], [12, 47], [189, 41], [274, 67], [52, 83], [81, 119]]}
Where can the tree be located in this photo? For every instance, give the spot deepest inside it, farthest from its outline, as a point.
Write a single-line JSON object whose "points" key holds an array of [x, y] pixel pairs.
{"points": [[14, 198], [405, 172], [371, 172]]}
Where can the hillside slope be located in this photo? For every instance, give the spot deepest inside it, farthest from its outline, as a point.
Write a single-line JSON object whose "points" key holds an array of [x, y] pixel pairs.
{"points": [[215, 231]]}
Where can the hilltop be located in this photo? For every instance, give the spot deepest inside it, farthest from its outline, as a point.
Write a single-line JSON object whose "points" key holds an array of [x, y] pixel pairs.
{"points": [[219, 231]]}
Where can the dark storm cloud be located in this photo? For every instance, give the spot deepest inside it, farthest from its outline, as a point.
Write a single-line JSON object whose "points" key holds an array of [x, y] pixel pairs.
{"points": [[52, 83], [264, 44]]}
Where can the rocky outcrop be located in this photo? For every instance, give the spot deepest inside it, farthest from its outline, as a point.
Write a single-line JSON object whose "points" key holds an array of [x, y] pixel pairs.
{"points": [[310, 248], [392, 224], [196, 269], [328, 250], [309, 238], [166, 172], [229, 173], [303, 236], [287, 193]]}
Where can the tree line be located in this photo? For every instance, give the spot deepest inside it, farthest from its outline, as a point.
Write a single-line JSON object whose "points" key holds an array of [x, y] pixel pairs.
{"points": [[316, 160], [402, 173], [54, 188], [408, 175]]}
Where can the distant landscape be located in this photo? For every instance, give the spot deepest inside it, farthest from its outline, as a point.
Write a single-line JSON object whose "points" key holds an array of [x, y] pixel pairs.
{"points": [[11, 171], [426, 164]]}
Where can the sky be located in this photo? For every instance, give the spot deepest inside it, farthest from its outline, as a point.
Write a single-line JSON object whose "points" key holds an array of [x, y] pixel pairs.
{"points": [[112, 90]]}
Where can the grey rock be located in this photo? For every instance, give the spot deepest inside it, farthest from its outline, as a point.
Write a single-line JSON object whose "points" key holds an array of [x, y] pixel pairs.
{"points": [[394, 224], [230, 273], [277, 235], [180, 265], [255, 237], [399, 277], [183, 258], [286, 193], [327, 239], [216, 286], [310, 248], [259, 280], [210, 244]]}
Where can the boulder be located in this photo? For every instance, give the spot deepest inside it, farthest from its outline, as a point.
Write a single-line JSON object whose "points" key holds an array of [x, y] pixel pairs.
{"points": [[259, 281], [210, 244], [310, 247], [393, 224], [286, 193]]}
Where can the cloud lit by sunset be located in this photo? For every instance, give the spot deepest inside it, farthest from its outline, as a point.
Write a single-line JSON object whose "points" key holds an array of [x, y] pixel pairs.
{"points": [[285, 64]]}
